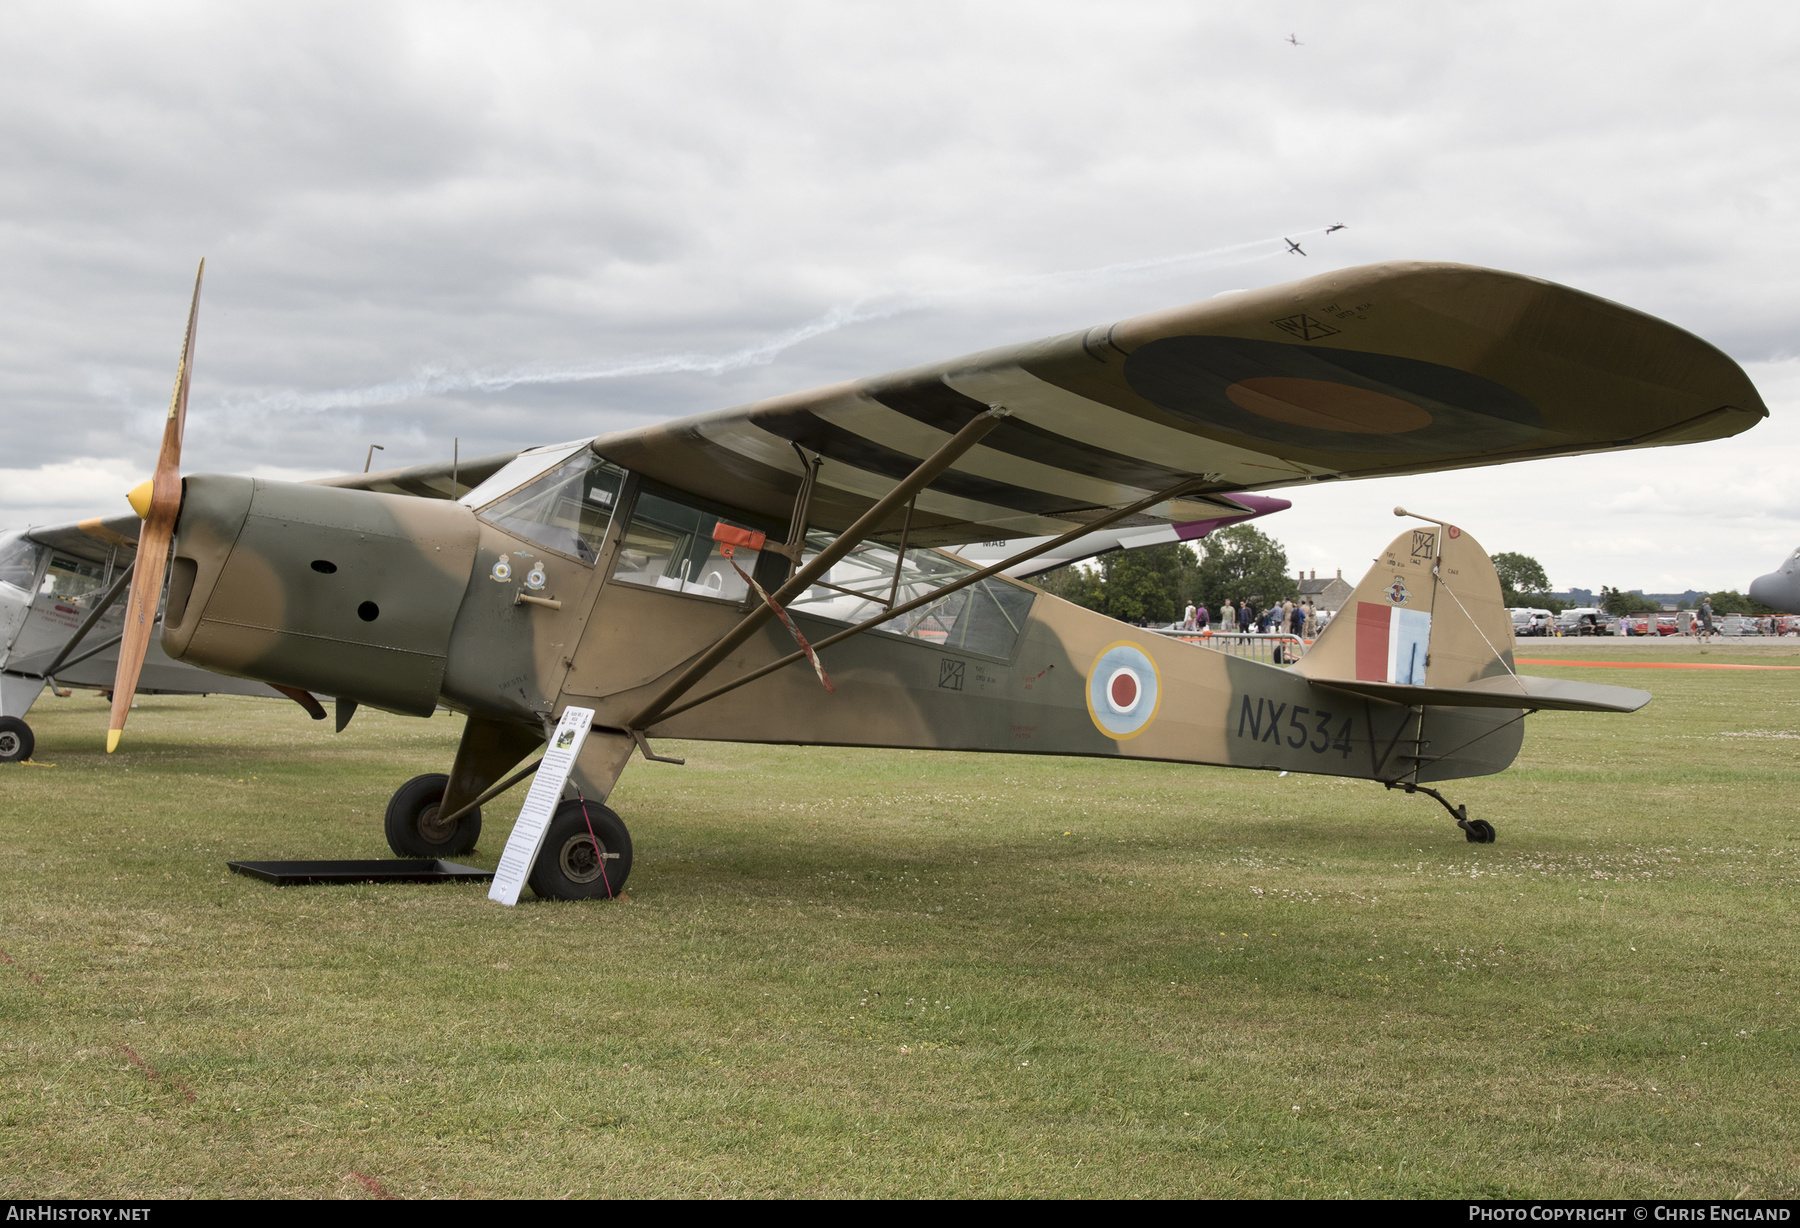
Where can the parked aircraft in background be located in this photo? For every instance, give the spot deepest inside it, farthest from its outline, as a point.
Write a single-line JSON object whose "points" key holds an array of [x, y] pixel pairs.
{"points": [[61, 623], [1780, 589]]}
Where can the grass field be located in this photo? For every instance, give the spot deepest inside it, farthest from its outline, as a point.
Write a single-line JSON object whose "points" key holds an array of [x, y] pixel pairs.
{"points": [[898, 973]]}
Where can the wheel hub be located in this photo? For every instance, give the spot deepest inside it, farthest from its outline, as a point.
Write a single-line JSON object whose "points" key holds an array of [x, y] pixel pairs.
{"points": [[581, 860], [9, 744], [431, 828]]}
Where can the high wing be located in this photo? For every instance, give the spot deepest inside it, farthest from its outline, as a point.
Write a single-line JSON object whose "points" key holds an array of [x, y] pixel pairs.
{"points": [[1366, 372]]}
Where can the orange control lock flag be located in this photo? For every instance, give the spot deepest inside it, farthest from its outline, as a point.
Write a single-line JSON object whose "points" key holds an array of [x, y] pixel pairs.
{"points": [[730, 537]]}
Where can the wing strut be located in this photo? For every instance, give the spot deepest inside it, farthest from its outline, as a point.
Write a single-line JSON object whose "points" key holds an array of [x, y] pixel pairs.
{"points": [[1186, 486], [795, 545], [871, 520]]}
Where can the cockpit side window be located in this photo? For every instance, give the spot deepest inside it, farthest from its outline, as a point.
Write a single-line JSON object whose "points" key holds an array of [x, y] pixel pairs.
{"points": [[567, 509], [19, 562], [68, 579], [675, 546]]}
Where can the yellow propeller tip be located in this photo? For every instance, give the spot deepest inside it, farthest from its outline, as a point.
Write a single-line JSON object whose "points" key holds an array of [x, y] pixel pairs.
{"points": [[112, 740], [139, 497]]}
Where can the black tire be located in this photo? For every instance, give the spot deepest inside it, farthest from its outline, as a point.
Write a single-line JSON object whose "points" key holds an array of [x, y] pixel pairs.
{"points": [[566, 867], [16, 740], [1479, 831], [412, 827]]}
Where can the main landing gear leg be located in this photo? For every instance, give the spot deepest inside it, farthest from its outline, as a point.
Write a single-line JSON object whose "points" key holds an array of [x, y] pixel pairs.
{"points": [[1478, 831]]}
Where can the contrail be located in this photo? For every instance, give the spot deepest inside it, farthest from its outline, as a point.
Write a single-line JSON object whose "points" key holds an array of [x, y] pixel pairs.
{"points": [[433, 381]]}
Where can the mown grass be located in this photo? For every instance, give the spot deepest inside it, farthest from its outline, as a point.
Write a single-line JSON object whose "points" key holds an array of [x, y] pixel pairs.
{"points": [[902, 973]]}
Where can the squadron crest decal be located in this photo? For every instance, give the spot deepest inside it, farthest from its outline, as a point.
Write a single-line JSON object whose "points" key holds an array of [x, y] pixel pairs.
{"points": [[502, 570], [1123, 691], [1397, 592]]}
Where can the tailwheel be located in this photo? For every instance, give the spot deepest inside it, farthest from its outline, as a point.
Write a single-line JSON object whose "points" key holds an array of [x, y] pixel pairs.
{"points": [[1478, 831], [413, 826], [586, 854], [16, 740]]}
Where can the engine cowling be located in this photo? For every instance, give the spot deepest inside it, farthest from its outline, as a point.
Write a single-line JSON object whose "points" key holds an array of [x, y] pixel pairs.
{"points": [[343, 592]]}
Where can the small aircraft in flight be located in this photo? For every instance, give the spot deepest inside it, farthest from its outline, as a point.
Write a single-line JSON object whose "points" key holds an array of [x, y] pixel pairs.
{"points": [[1336, 226], [1293, 246], [1294, 40], [668, 578]]}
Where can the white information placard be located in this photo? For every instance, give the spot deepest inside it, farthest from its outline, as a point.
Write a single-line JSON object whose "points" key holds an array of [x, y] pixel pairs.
{"points": [[540, 803]]}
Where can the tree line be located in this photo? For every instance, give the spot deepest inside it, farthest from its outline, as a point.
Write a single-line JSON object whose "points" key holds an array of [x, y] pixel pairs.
{"points": [[1524, 583], [1155, 584], [1243, 564]]}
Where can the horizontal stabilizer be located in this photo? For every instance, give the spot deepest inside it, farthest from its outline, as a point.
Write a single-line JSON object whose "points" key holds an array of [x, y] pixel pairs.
{"points": [[1505, 691]]}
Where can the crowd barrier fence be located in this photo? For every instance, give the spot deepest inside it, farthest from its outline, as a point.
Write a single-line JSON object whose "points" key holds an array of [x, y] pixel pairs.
{"points": [[1271, 648]]}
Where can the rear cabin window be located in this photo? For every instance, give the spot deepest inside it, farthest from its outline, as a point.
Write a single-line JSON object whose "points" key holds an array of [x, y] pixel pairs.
{"points": [[674, 546], [986, 617], [568, 509]]}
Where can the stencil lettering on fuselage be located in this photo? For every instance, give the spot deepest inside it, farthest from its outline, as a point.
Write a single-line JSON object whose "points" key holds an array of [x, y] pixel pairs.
{"points": [[1295, 727]]}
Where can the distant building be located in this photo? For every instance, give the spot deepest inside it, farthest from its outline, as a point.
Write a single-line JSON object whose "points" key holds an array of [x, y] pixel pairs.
{"points": [[1325, 594], [1585, 597], [1580, 598]]}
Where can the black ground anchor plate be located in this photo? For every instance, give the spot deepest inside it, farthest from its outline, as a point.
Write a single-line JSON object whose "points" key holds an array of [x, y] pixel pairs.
{"points": [[403, 870]]}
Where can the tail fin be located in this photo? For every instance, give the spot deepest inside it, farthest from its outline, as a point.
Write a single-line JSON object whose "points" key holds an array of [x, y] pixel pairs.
{"points": [[1427, 626]]}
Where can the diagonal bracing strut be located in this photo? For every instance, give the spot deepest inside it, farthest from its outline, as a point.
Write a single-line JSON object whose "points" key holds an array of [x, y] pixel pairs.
{"points": [[937, 594], [801, 580]]}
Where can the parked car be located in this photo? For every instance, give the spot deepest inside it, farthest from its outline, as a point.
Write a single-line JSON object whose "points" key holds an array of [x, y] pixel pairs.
{"points": [[1529, 621], [1585, 620], [1736, 624]]}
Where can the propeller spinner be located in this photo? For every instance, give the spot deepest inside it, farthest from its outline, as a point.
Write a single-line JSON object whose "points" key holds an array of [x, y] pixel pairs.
{"points": [[159, 507]]}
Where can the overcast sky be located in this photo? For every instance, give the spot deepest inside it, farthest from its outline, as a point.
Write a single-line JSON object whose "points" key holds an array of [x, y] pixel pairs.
{"points": [[520, 223]]}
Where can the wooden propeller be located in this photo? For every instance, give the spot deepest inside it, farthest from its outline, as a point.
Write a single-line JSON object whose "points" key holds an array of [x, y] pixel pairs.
{"points": [[159, 513]]}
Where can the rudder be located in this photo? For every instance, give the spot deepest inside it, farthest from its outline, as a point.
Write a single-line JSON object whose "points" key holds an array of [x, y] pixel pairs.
{"points": [[1428, 613]]}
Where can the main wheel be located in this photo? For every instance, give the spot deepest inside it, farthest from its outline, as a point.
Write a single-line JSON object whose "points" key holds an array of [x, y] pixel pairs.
{"points": [[413, 829], [16, 742], [570, 867]]}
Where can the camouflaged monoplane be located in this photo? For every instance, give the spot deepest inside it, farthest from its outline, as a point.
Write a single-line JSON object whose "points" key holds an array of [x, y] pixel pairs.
{"points": [[664, 577]]}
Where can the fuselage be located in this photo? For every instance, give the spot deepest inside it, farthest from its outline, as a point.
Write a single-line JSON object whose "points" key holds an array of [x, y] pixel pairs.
{"points": [[583, 584]]}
